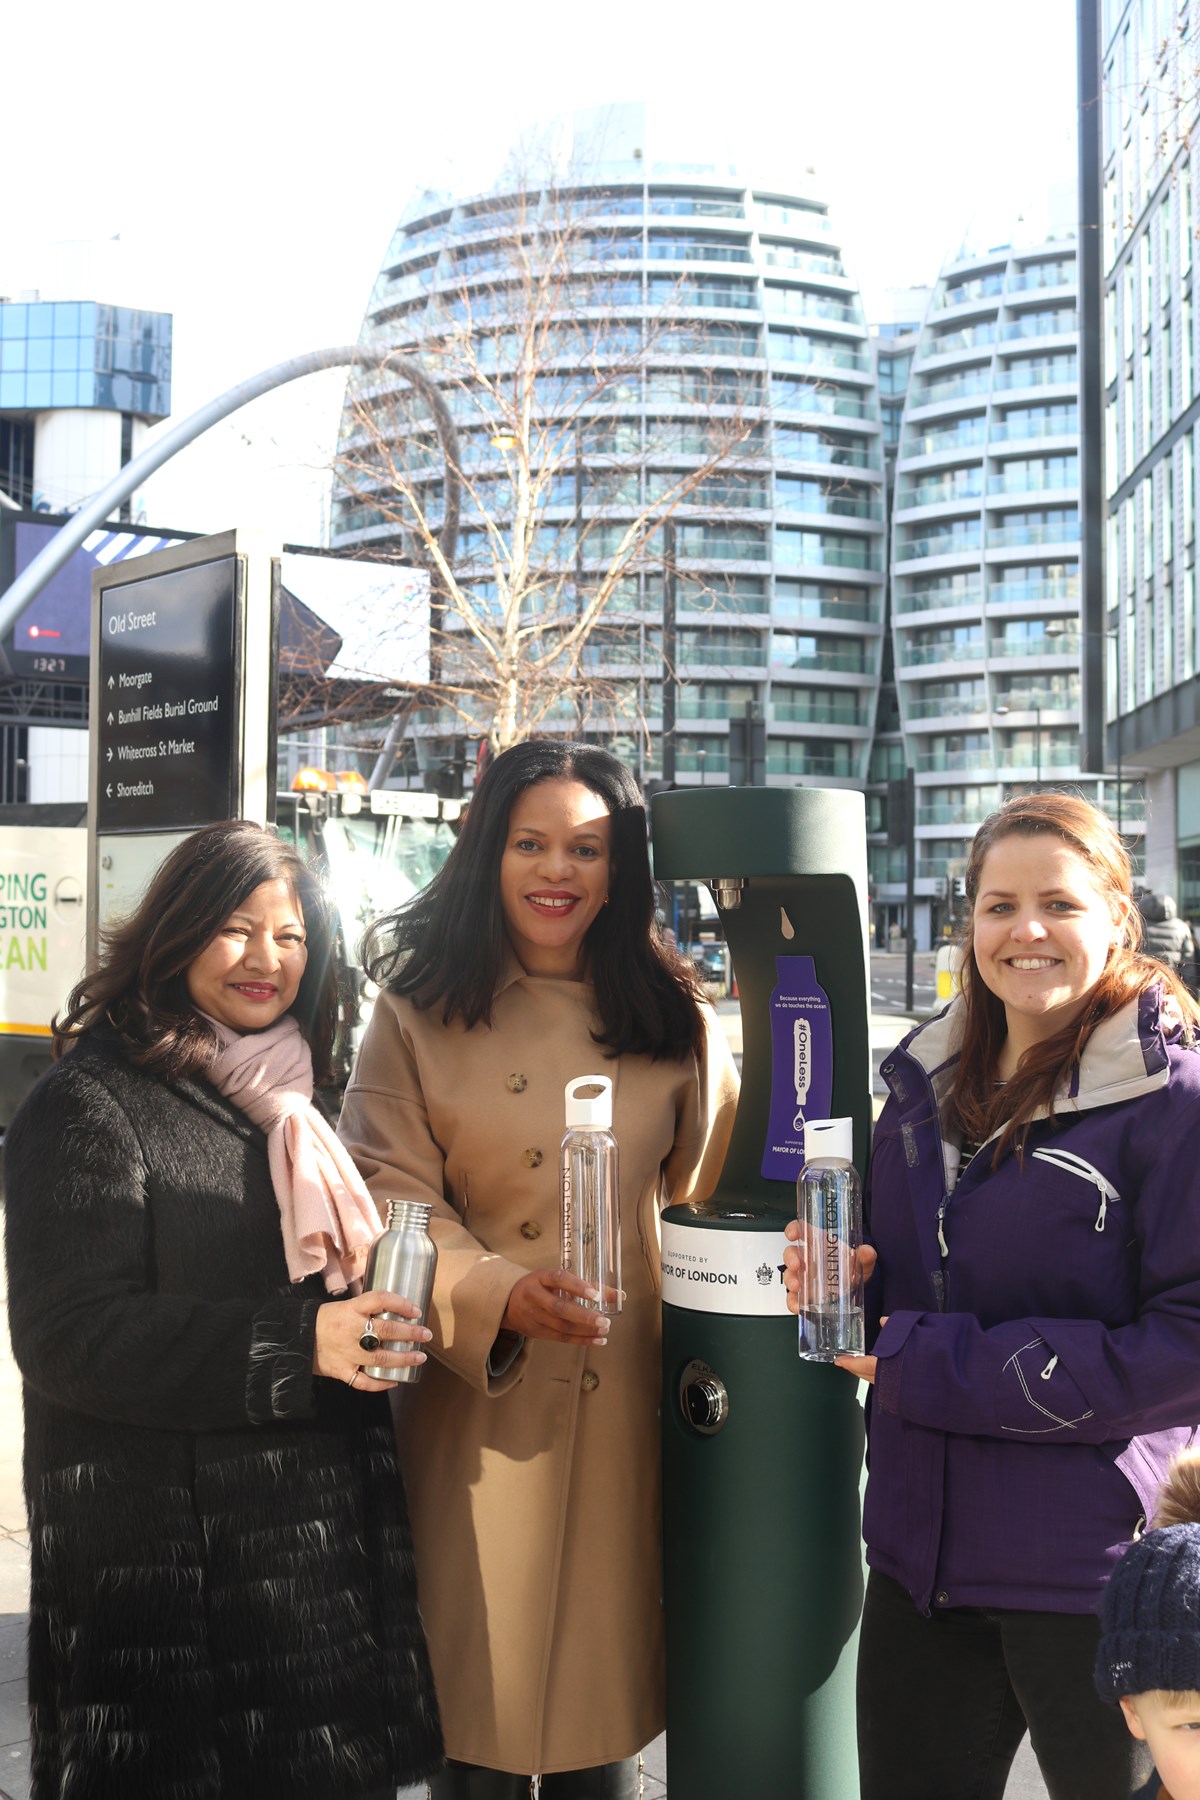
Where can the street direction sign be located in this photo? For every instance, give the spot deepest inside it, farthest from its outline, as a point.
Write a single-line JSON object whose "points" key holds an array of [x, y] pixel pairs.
{"points": [[168, 727]]}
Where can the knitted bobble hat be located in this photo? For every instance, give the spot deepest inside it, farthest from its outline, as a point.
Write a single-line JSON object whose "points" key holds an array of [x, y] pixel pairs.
{"points": [[1150, 1617]]}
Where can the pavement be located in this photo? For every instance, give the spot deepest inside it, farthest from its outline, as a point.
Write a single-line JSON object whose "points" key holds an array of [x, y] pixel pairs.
{"points": [[886, 1027]]}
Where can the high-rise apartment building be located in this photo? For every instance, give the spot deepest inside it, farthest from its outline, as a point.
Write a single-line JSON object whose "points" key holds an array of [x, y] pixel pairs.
{"points": [[1139, 105], [727, 299], [985, 550]]}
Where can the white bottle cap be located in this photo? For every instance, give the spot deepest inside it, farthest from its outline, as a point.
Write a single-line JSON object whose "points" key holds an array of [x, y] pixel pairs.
{"points": [[825, 1138], [590, 1109]]}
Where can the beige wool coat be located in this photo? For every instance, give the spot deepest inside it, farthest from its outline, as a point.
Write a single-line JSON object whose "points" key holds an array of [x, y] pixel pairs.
{"points": [[534, 1494]]}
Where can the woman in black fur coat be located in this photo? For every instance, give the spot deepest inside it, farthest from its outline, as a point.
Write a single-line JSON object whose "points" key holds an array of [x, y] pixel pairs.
{"points": [[223, 1602]]}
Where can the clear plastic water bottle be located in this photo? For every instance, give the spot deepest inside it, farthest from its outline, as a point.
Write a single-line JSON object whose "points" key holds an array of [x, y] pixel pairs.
{"points": [[591, 1204], [829, 1208], [403, 1261]]}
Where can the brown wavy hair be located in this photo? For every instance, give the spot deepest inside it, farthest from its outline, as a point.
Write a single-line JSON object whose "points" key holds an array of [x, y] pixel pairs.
{"points": [[138, 990], [1046, 1068]]}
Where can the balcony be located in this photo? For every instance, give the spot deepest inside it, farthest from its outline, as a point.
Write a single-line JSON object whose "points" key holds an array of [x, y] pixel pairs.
{"points": [[691, 708], [914, 656], [1032, 376], [837, 711], [954, 707], [849, 662], [1020, 431], [933, 443], [969, 813], [955, 759], [825, 401], [1062, 643], [1008, 537], [1003, 592], [955, 387], [938, 493], [969, 544], [828, 455], [928, 602], [983, 287], [824, 556], [793, 349], [1063, 324], [813, 763], [720, 653], [815, 306], [1034, 481], [833, 506], [814, 262], [1044, 275], [969, 338]]}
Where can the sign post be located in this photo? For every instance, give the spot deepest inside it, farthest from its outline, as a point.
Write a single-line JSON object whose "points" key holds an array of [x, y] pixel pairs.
{"points": [[182, 729]]}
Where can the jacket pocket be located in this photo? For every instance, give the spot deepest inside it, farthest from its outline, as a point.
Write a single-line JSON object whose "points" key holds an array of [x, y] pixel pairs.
{"points": [[1072, 1164]]}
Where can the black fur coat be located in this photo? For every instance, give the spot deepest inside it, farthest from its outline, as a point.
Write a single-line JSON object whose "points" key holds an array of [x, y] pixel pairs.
{"points": [[223, 1596]]}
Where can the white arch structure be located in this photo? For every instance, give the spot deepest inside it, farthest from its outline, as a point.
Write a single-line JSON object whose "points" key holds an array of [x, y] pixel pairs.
{"points": [[100, 507]]}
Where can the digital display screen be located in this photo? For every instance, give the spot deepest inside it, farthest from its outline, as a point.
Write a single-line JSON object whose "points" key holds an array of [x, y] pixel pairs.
{"points": [[52, 636]]}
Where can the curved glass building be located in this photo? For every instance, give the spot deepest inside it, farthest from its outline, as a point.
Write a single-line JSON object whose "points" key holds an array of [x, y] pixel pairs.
{"points": [[985, 550], [711, 320]]}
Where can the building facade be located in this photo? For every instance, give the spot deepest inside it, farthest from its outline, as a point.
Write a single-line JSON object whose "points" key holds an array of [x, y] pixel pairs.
{"points": [[985, 553], [693, 299], [80, 385], [1137, 179]]}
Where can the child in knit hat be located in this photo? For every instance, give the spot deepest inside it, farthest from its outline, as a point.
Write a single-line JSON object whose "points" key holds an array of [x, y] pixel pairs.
{"points": [[1149, 1655]]}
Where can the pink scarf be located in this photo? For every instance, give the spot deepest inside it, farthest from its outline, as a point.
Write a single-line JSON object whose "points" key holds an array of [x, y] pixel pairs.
{"points": [[329, 1219]]}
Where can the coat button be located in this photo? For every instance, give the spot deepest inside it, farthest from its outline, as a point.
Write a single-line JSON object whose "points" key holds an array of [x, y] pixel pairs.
{"points": [[516, 1084], [943, 1599], [532, 1159], [590, 1382], [531, 1229]]}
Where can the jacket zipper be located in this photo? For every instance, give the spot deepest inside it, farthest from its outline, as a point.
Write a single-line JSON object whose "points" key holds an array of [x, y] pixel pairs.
{"points": [[1079, 1165]]}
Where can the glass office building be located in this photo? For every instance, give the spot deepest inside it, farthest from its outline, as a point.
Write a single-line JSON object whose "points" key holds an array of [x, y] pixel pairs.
{"points": [[727, 299], [1137, 166]]}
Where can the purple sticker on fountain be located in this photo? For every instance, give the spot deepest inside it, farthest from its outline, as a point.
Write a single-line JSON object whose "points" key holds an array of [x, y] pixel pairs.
{"points": [[801, 1064]]}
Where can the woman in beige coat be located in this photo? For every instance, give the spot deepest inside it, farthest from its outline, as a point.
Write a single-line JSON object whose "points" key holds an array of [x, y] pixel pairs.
{"points": [[530, 1448]]}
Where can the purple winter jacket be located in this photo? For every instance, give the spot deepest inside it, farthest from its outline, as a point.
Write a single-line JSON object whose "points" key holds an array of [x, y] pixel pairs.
{"points": [[1040, 1364]]}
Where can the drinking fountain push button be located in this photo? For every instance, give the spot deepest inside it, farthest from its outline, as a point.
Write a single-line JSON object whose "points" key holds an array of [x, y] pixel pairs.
{"points": [[703, 1398]]}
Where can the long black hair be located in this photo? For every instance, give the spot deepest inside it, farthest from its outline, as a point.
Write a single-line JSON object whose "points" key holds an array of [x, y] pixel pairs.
{"points": [[447, 945], [139, 987]]}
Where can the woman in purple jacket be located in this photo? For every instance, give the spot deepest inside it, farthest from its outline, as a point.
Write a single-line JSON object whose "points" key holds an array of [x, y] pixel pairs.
{"points": [[1034, 1319]]}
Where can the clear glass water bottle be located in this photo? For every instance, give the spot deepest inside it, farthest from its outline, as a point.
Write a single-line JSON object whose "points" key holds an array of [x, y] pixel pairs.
{"points": [[591, 1204], [829, 1208], [403, 1262]]}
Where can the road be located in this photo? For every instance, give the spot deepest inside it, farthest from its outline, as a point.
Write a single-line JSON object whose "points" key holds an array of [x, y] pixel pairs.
{"points": [[887, 982]]}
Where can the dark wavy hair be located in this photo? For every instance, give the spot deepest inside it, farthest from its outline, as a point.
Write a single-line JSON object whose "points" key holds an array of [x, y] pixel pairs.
{"points": [[139, 987], [447, 946], [1046, 1068]]}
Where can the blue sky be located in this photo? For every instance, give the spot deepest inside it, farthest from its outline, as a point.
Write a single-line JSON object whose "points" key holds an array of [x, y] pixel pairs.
{"points": [[252, 158]]}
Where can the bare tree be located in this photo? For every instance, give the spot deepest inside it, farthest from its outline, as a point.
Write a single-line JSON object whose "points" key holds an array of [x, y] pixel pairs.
{"points": [[590, 410]]}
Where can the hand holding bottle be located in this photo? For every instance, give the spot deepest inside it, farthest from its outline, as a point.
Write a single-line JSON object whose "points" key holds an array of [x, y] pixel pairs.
{"points": [[337, 1353], [541, 1306], [795, 1257]]}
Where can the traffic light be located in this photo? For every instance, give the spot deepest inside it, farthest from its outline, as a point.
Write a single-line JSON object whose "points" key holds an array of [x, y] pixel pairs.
{"points": [[447, 779]]}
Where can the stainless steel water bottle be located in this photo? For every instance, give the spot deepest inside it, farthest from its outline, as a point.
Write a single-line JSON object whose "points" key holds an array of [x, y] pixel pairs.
{"points": [[829, 1208], [402, 1261], [591, 1204]]}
